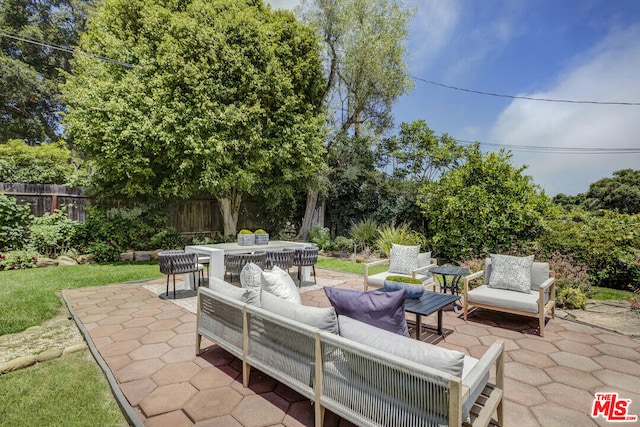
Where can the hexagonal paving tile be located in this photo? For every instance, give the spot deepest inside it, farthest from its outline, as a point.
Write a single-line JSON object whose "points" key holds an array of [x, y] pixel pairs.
{"points": [[575, 361], [212, 403], [175, 373], [150, 351], [214, 377], [167, 398], [139, 369], [526, 374], [260, 410]]}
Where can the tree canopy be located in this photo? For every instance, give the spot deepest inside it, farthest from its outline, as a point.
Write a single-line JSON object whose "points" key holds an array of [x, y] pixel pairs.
{"points": [[484, 205], [222, 97], [30, 64]]}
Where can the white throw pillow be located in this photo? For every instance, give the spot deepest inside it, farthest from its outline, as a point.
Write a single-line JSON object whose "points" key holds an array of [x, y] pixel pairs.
{"points": [[511, 273], [403, 259], [424, 259], [279, 283]]}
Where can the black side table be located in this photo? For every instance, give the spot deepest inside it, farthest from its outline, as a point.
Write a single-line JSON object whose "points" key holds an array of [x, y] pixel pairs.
{"points": [[456, 274]]}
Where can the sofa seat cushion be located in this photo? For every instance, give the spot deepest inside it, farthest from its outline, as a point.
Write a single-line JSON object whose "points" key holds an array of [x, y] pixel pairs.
{"points": [[378, 279], [504, 298]]}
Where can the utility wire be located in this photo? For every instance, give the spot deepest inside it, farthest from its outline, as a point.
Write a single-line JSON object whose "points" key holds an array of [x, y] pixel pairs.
{"points": [[556, 149], [67, 50], [479, 92]]}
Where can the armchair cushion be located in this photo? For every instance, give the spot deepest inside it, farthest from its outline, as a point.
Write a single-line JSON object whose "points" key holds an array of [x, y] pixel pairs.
{"points": [[511, 273], [403, 259], [504, 298], [424, 259], [384, 310]]}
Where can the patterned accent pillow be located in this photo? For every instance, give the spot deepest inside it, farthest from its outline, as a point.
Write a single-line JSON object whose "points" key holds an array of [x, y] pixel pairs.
{"points": [[403, 259], [251, 276], [511, 273]]}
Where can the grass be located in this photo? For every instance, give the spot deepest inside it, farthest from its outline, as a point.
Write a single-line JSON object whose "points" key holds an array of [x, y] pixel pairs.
{"points": [[602, 294], [348, 266], [68, 391], [29, 297]]}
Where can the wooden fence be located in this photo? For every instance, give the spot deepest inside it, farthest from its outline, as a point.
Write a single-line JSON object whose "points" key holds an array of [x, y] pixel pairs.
{"points": [[190, 217]]}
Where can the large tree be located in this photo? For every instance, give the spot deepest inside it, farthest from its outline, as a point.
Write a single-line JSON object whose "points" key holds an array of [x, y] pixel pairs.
{"points": [[486, 204], [620, 192], [220, 96], [34, 47], [365, 68]]}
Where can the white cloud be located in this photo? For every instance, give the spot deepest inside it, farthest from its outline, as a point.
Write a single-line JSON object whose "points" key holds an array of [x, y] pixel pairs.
{"points": [[432, 27], [607, 72]]}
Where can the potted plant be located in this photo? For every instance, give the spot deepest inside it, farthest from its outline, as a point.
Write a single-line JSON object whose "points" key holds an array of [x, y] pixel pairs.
{"points": [[262, 237], [414, 288], [246, 238]]}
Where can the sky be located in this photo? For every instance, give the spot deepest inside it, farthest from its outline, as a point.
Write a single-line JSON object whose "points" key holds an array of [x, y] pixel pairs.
{"points": [[580, 50]]}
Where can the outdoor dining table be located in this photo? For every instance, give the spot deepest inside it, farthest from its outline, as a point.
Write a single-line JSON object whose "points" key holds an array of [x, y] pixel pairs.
{"points": [[215, 253]]}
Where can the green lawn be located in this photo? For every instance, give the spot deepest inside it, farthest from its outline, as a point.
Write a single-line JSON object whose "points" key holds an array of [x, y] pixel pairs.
{"points": [[28, 297], [69, 391], [602, 294], [347, 266]]}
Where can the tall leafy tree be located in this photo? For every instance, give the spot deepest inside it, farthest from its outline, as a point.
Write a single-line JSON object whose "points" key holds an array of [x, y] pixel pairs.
{"points": [[486, 204], [221, 96], [620, 193], [34, 47], [365, 68]]}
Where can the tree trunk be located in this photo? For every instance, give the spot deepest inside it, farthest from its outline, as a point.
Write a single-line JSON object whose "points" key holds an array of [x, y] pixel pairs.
{"points": [[229, 208], [310, 215]]}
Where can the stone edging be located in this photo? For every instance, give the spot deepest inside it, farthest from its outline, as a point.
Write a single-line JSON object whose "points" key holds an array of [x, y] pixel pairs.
{"points": [[26, 361]]}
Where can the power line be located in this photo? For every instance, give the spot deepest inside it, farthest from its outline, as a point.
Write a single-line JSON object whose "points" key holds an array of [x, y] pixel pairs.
{"points": [[67, 50], [556, 149], [529, 98]]}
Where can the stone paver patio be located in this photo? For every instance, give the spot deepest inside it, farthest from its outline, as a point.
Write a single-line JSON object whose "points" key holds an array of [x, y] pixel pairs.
{"points": [[148, 345]]}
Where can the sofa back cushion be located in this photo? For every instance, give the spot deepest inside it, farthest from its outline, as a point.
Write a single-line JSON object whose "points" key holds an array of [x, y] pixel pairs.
{"points": [[316, 317], [442, 359], [232, 291], [382, 309]]}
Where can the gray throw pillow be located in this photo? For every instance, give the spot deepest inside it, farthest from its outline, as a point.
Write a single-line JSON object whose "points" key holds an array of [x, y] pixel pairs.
{"points": [[424, 259], [384, 310], [511, 273], [403, 259]]}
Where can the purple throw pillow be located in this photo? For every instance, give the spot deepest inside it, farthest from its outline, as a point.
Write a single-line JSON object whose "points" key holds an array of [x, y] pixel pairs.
{"points": [[382, 309]]}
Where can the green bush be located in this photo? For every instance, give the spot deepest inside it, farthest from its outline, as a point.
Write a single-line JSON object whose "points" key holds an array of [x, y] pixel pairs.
{"points": [[607, 244], [52, 234], [571, 298], [138, 228], [18, 260], [364, 232], [321, 237], [104, 252], [400, 235], [245, 231], [14, 222]]}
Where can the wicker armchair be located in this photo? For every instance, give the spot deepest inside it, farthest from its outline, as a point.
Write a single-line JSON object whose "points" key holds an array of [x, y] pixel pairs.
{"points": [[179, 262], [282, 259], [234, 263], [306, 257]]}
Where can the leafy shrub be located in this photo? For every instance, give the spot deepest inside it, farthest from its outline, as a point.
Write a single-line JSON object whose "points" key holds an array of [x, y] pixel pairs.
{"points": [[287, 232], [245, 231], [14, 222], [364, 232], [52, 234], [104, 252], [321, 237], [344, 245], [18, 260], [138, 228], [635, 300], [571, 298], [400, 235], [607, 244]]}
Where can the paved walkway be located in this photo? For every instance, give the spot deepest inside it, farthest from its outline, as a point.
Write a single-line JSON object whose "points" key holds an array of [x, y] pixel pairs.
{"points": [[148, 345]]}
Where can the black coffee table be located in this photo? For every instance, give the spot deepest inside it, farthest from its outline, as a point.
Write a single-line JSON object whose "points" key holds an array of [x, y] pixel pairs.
{"points": [[427, 304]]}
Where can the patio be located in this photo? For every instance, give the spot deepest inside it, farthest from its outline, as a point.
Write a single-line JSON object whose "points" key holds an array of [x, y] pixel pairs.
{"points": [[148, 344]]}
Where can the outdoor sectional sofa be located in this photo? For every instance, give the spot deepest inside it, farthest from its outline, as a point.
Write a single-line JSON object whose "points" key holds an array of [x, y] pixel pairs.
{"points": [[362, 373]]}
